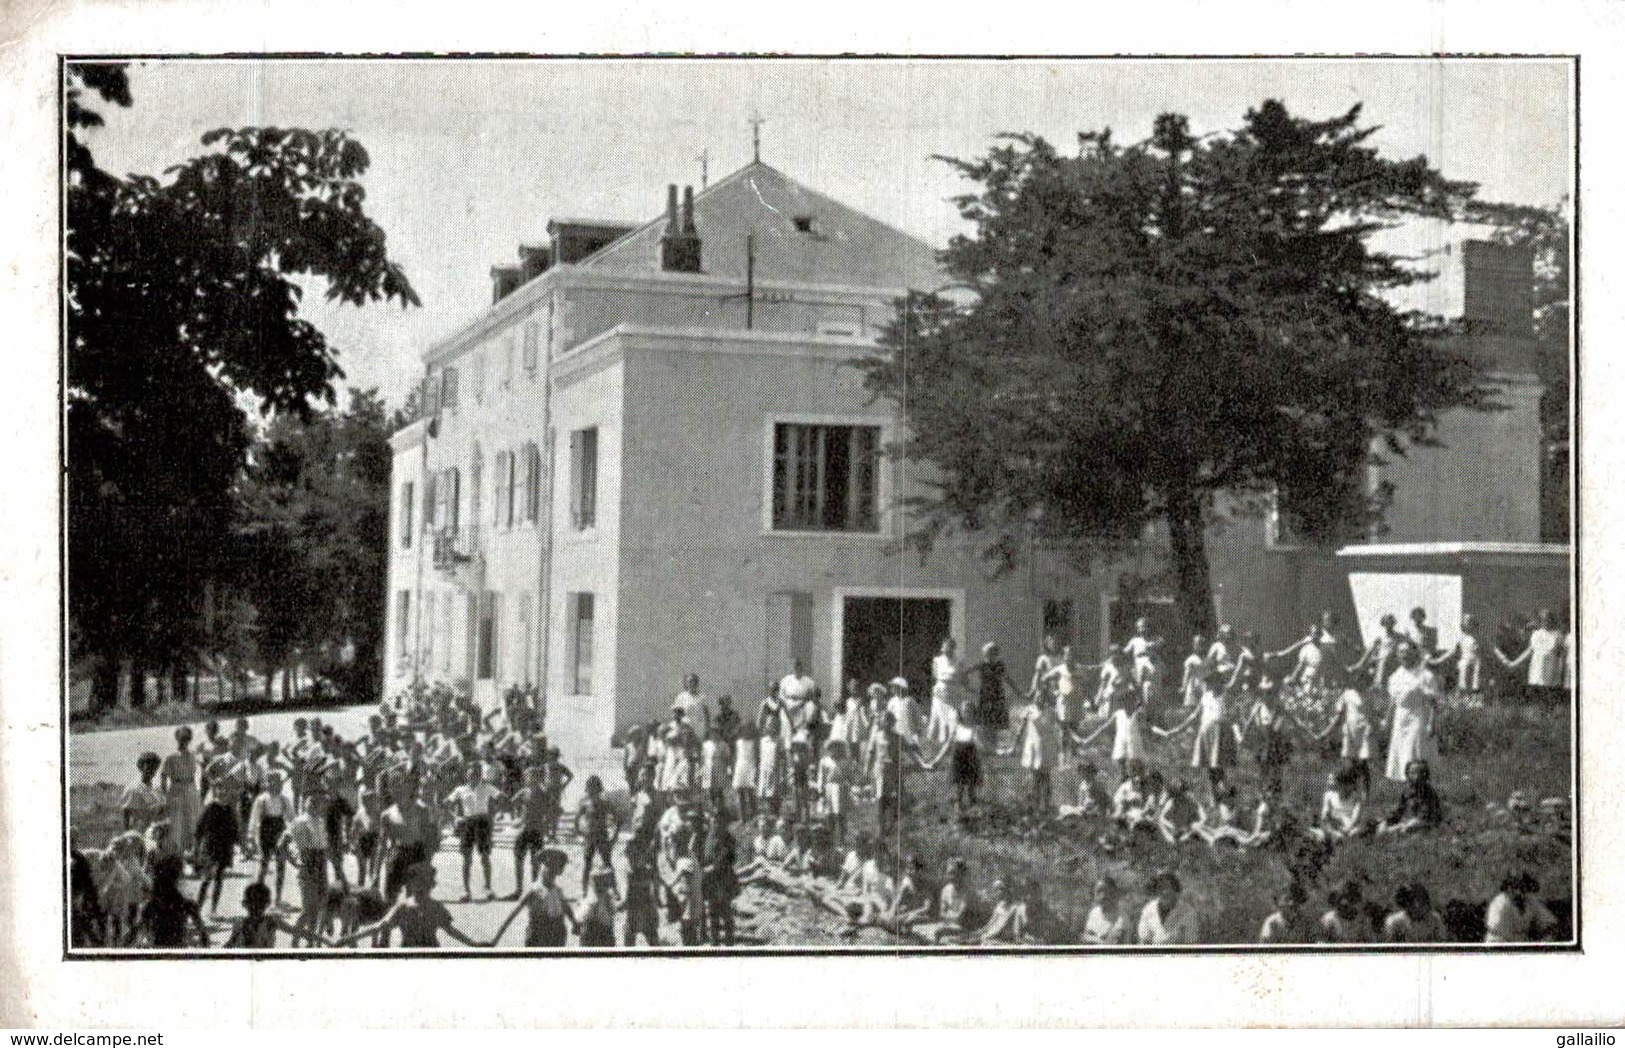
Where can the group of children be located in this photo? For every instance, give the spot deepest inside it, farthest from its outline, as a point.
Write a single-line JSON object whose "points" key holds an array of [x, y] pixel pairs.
{"points": [[802, 772]]}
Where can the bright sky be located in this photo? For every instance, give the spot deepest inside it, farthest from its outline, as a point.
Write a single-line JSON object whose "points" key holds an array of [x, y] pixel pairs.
{"points": [[470, 157]]}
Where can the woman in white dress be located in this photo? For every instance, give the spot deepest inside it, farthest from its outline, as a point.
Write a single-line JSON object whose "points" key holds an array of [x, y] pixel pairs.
{"points": [[1413, 695]]}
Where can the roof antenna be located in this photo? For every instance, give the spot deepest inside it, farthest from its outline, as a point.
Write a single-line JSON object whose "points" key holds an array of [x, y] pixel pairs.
{"points": [[705, 168], [756, 123]]}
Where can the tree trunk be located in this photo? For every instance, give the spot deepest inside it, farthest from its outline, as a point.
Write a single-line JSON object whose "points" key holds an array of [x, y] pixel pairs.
{"points": [[1187, 538], [270, 683], [177, 683], [104, 684], [138, 685], [287, 682]]}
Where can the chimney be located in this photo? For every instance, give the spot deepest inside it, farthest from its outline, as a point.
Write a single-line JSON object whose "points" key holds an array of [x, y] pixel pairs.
{"points": [[680, 245], [505, 280], [1498, 288]]}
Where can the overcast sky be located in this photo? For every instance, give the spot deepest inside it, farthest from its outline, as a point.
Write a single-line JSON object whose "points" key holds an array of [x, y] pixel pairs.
{"points": [[471, 157]]}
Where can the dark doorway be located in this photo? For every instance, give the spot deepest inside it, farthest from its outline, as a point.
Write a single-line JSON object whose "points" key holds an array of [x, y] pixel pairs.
{"points": [[883, 637], [1160, 612]]}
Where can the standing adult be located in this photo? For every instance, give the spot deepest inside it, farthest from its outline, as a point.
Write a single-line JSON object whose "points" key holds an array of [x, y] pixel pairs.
{"points": [[183, 802], [1413, 696], [693, 704], [991, 712]]}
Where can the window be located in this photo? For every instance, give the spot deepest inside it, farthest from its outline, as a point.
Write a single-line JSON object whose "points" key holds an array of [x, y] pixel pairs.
{"points": [[826, 478], [408, 503], [431, 619], [403, 623], [530, 347], [448, 393], [447, 497], [803, 223], [507, 362], [525, 477], [486, 655], [479, 378], [580, 643], [447, 610], [522, 617], [476, 472], [502, 489], [584, 478], [533, 474], [431, 394]]}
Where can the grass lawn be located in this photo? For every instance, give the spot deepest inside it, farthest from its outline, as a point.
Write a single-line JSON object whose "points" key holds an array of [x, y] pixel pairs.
{"points": [[1486, 755]]}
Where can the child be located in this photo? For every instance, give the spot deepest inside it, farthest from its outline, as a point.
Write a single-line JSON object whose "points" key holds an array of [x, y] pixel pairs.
{"points": [[914, 899], [714, 770], [1346, 921], [121, 881], [1163, 921], [1128, 717], [1107, 923], [769, 773], [1350, 715], [256, 929], [548, 913], [142, 802], [306, 840], [1414, 920], [719, 880], [1291, 924], [633, 755], [419, 917], [1516, 914], [1419, 807], [1128, 803], [685, 904], [1217, 823], [365, 835], [1092, 796], [956, 904], [167, 914], [1215, 746], [888, 781], [1004, 924], [1340, 808], [533, 803], [556, 778], [598, 910], [597, 827], [642, 883], [1038, 739], [1267, 725], [471, 804], [216, 835], [832, 787], [1179, 814], [800, 771], [1190, 686], [267, 819], [745, 772]]}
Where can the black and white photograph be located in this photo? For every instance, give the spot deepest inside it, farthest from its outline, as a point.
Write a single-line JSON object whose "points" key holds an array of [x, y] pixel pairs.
{"points": [[806, 505]]}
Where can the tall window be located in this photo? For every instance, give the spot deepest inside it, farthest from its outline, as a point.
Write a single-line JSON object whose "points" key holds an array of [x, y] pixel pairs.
{"points": [[448, 388], [403, 623], [502, 489], [408, 504], [507, 361], [476, 476], [826, 478], [522, 648], [479, 377], [431, 621], [530, 347], [525, 483], [580, 643], [533, 478], [447, 498], [584, 478], [486, 654]]}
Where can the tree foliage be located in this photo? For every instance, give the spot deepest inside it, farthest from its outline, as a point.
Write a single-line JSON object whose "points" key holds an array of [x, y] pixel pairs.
{"points": [[183, 297], [1156, 323]]}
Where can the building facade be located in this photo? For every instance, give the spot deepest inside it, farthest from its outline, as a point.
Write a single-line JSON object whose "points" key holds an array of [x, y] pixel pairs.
{"points": [[653, 455]]}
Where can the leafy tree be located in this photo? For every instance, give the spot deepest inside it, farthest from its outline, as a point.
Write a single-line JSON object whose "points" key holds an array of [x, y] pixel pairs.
{"points": [[182, 301], [314, 538], [1157, 323]]}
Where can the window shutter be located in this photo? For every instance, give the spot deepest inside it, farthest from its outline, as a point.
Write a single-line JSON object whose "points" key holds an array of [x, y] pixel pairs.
{"points": [[431, 395], [530, 347], [430, 509], [576, 442], [454, 498], [408, 507], [448, 395]]}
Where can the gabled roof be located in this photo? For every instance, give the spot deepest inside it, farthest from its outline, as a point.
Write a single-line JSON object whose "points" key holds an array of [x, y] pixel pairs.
{"points": [[840, 245]]}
